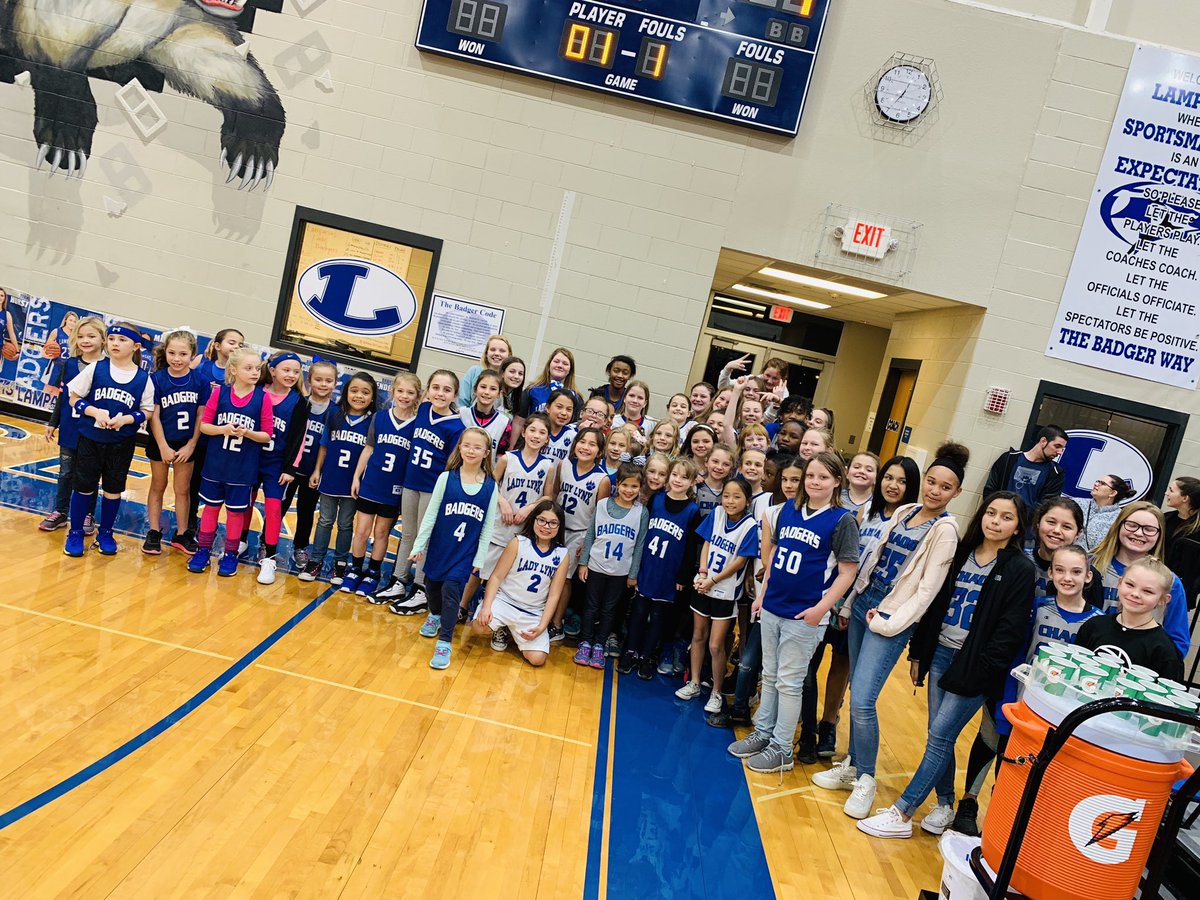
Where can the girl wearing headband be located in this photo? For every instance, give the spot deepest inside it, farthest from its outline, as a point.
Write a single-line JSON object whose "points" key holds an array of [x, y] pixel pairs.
{"points": [[112, 398]]}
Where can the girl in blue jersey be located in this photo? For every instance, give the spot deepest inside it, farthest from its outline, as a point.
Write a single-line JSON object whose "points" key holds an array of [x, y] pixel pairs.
{"points": [[580, 482], [730, 538], [341, 446], [180, 394], [281, 379], [673, 518], [238, 421], [966, 643], [524, 478], [211, 366], [559, 374], [524, 589], [112, 397], [610, 561], [377, 485], [435, 434], [485, 412], [809, 560], [322, 379], [55, 349], [86, 347], [1140, 531], [619, 370], [456, 531]]}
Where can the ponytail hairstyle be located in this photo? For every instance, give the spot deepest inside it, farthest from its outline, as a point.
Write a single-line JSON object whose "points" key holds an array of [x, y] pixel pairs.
{"points": [[1189, 487], [833, 463], [629, 470], [1121, 486], [453, 380], [137, 347], [211, 351], [236, 357], [456, 460], [343, 411], [160, 351], [1154, 565], [89, 322], [265, 376], [316, 364], [492, 375], [483, 357]]}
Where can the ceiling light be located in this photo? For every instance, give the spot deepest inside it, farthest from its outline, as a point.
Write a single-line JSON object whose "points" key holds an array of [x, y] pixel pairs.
{"points": [[821, 283], [780, 298]]}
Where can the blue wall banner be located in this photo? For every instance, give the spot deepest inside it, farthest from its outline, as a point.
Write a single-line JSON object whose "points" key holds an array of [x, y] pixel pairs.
{"points": [[1130, 301]]}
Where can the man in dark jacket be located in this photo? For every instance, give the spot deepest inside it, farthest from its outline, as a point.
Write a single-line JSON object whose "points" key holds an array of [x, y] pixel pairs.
{"points": [[1033, 474]]}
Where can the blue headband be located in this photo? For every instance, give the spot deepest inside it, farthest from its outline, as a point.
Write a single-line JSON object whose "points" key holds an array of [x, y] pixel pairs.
{"points": [[125, 332], [284, 357]]}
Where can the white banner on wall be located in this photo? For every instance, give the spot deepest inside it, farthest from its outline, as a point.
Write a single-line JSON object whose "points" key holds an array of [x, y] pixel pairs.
{"points": [[461, 326], [1130, 301]]}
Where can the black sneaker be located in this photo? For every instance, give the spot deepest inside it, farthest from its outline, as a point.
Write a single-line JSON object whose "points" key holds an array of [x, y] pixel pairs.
{"points": [[185, 541], [462, 620], [628, 661], [339, 573], [826, 739], [152, 546], [741, 716], [806, 750], [311, 571], [965, 821], [645, 669], [412, 606], [553, 631], [722, 719]]}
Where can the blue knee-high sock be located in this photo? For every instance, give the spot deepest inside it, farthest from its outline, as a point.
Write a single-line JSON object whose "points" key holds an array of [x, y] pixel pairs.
{"points": [[108, 512], [81, 505]]}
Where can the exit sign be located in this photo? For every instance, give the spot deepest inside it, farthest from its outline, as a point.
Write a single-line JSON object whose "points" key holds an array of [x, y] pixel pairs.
{"points": [[866, 239], [781, 314]]}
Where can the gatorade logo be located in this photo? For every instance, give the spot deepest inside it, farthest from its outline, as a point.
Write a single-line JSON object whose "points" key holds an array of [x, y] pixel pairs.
{"points": [[1102, 827]]}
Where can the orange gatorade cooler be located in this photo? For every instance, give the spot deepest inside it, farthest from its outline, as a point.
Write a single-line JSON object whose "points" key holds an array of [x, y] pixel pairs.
{"points": [[1096, 815]]}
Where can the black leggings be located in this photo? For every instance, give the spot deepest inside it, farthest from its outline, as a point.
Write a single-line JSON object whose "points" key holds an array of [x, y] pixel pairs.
{"points": [[193, 522], [647, 624], [604, 594], [306, 508]]}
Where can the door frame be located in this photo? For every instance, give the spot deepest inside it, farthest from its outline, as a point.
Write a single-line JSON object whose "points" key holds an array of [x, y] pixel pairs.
{"points": [[764, 349], [1176, 423], [887, 397]]}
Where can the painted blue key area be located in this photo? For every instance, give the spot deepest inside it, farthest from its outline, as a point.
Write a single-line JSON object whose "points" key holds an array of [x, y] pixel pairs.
{"points": [[682, 823]]}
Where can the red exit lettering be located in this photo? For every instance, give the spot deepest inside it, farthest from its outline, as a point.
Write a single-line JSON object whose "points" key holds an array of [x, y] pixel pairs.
{"points": [[867, 235]]}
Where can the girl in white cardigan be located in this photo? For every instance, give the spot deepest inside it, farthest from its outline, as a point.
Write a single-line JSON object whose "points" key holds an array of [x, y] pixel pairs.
{"points": [[897, 580]]}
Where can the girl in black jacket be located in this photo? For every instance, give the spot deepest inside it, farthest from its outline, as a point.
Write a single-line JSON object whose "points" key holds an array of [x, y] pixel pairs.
{"points": [[967, 640]]}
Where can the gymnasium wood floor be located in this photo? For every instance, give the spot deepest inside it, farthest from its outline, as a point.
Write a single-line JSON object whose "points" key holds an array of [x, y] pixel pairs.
{"points": [[169, 734]]}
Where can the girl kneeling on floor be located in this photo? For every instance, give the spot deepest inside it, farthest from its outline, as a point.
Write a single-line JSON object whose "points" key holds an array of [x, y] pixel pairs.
{"points": [[525, 586]]}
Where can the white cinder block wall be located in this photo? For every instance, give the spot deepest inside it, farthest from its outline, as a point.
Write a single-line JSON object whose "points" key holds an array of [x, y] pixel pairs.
{"points": [[482, 160]]}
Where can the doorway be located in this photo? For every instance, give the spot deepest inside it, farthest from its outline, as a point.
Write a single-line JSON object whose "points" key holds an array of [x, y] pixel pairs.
{"points": [[715, 351], [891, 415]]}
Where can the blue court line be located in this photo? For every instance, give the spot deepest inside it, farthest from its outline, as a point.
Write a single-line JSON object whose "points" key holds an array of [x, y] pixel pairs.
{"points": [[177, 715], [591, 882]]}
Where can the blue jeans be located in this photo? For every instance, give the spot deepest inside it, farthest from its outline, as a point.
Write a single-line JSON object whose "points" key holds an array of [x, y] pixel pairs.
{"points": [[748, 668], [873, 661], [949, 714], [855, 629], [787, 647]]}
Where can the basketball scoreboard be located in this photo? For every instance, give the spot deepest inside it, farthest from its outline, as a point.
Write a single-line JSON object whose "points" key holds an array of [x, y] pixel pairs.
{"points": [[742, 61]]}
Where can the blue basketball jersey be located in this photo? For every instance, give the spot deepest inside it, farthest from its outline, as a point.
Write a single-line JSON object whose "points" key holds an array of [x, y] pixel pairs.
{"points": [[343, 441], [804, 565], [456, 531], [666, 542], [270, 462], [69, 420], [314, 429], [177, 400], [382, 480], [229, 459], [114, 398], [434, 438], [527, 584], [211, 372]]}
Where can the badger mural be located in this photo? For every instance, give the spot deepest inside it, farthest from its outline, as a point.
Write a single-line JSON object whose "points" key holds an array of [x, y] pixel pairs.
{"points": [[191, 44]]}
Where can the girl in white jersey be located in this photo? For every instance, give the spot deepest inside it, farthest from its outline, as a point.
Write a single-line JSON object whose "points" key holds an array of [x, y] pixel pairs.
{"points": [[486, 414], [561, 410], [523, 477], [524, 588], [579, 482]]}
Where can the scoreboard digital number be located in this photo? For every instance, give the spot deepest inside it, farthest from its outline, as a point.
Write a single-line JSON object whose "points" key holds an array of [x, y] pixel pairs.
{"points": [[742, 61]]}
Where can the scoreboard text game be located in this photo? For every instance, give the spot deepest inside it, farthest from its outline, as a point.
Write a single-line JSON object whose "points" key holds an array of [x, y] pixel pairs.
{"points": [[743, 61]]}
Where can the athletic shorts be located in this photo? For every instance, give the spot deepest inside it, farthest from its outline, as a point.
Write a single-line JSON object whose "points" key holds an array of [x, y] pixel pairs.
{"points": [[268, 480], [517, 620], [155, 455], [574, 542], [713, 607], [105, 465], [371, 508], [235, 497]]}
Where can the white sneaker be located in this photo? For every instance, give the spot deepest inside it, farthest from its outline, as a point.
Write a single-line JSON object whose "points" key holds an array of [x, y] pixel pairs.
{"points": [[886, 823], [266, 575], [243, 546], [839, 777], [714, 704], [689, 691], [858, 804], [939, 819]]}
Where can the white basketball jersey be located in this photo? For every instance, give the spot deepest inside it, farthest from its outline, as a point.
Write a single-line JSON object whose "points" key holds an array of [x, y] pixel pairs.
{"points": [[494, 428], [520, 486], [577, 494], [560, 444], [527, 584]]}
